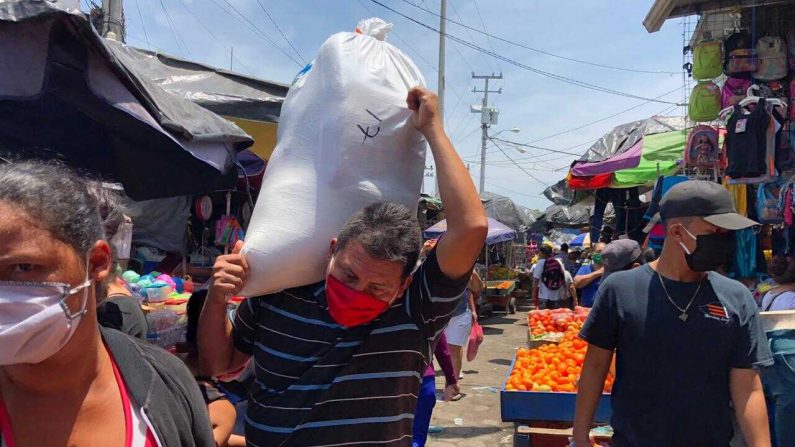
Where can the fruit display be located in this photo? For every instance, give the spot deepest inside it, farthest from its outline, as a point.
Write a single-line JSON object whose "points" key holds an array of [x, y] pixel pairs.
{"points": [[543, 322], [502, 285], [551, 367], [500, 272]]}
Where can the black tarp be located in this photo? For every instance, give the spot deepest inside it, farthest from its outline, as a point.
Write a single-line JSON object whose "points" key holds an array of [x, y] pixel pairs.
{"points": [[66, 93]]}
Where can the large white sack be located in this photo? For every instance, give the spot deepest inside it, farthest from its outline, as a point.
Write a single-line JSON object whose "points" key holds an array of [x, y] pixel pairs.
{"points": [[345, 140]]}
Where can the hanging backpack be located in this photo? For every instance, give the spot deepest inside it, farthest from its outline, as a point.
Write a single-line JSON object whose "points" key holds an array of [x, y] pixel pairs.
{"points": [[734, 90], [552, 275], [702, 149], [739, 56], [767, 211], [705, 102], [707, 60], [771, 52]]}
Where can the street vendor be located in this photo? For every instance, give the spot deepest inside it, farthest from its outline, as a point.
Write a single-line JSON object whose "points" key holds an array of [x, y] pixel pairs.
{"points": [[340, 362], [63, 379], [688, 341]]}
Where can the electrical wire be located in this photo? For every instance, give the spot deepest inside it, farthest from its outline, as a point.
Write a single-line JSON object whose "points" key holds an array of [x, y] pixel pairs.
{"points": [[280, 31], [471, 37], [524, 66], [143, 25], [214, 36], [259, 31], [519, 166], [513, 143], [488, 36], [174, 32], [547, 53]]}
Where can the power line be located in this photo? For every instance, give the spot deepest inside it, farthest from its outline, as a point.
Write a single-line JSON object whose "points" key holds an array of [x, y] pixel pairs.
{"points": [[609, 117], [143, 25], [174, 32], [261, 33], [547, 53], [483, 24], [524, 66], [513, 143], [455, 11], [213, 35], [280, 31], [517, 164]]}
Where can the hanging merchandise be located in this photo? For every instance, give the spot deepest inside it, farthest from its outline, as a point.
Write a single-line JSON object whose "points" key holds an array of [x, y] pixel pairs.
{"points": [[739, 193], [345, 141], [785, 204], [771, 53], [745, 254], [227, 232], [707, 60], [767, 210], [705, 102], [739, 56], [746, 142], [734, 90], [773, 89], [702, 150]]}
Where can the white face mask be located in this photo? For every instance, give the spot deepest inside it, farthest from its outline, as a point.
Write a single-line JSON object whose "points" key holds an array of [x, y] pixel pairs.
{"points": [[35, 322]]}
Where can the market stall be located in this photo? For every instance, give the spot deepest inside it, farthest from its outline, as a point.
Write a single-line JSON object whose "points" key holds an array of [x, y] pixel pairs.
{"points": [[498, 291], [539, 391]]}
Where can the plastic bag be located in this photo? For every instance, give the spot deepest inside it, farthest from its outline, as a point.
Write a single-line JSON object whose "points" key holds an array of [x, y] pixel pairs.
{"points": [[345, 141], [475, 339]]}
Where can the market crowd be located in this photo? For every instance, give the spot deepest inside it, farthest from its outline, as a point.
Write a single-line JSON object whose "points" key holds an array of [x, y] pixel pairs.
{"points": [[339, 362], [348, 360]]}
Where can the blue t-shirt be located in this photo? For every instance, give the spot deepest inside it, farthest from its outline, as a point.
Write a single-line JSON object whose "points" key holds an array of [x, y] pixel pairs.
{"points": [[589, 291], [672, 376]]}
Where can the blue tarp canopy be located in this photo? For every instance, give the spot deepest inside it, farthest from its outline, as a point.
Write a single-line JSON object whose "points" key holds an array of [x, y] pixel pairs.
{"points": [[498, 232]]}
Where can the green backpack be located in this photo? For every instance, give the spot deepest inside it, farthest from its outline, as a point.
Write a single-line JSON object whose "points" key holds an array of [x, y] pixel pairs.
{"points": [[705, 101], [708, 60]]}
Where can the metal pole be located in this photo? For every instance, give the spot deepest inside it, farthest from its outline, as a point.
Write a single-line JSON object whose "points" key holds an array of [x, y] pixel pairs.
{"points": [[484, 136], [484, 123], [442, 38], [112, 16]]}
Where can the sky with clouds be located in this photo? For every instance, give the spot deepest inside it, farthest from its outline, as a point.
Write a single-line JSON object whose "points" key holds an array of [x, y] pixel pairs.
{"points": [[596, 31]]}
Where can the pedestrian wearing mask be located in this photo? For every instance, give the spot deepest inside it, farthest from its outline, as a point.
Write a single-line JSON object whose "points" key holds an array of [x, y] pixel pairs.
{"points": [[63, 379], [589, 277], [340, 362], [687, 340]]}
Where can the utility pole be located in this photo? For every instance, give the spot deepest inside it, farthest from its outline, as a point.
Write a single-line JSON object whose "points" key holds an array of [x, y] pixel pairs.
{"points": [[487, 118], [113, 19], [442, 38]]}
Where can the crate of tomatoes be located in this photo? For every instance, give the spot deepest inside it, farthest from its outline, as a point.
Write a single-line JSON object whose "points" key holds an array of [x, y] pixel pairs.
{"points": [[542, 382], [549, 326]]}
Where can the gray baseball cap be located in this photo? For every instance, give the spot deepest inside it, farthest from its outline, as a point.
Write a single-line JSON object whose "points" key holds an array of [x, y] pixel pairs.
{"points": [[619, 254], [707, 200]]}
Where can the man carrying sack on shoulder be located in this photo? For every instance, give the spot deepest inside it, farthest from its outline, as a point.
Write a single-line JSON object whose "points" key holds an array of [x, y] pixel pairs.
{"points": [[340, 362]]}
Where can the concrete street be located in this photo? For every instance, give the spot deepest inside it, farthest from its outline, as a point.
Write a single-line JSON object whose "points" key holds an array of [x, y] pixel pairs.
{"points": [[474, 421]]}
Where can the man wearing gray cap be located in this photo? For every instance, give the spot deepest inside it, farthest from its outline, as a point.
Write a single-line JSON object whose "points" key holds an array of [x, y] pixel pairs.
{"points": [[620, 255], [687, 340]]}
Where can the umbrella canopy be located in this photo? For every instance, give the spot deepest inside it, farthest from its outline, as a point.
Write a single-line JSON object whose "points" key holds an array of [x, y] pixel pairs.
{"points": [[498, 232], [581, 240], [626, 156], [504, 210], [66, 93]]}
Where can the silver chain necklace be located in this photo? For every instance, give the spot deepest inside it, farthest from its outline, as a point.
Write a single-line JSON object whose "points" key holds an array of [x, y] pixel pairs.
{"points": [[683, 315]]}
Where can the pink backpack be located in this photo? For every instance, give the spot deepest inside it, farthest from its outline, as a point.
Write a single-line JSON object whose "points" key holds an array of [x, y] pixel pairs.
{"points": [[734, 90], [702, 149]]}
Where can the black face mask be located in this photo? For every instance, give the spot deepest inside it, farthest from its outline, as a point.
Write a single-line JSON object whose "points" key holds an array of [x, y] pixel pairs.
{"points": [[712, 251]]}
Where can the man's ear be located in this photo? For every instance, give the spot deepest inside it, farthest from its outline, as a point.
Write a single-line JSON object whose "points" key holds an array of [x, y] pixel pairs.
{"points": [[332, 247], [100, 261], [407, 283]]}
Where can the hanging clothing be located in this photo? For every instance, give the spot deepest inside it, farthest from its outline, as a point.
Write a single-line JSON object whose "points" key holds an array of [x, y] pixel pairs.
{"points": [[745, 257], [747, 141], [661, 187], [628, 209], [739, 195]]}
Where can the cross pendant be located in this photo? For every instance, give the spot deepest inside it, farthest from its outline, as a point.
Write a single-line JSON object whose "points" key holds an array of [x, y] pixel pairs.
{"points": [[683, 317]]}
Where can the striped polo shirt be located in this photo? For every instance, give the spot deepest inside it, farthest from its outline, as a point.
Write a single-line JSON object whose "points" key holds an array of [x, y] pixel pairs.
{"points": [[320, 384]]}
